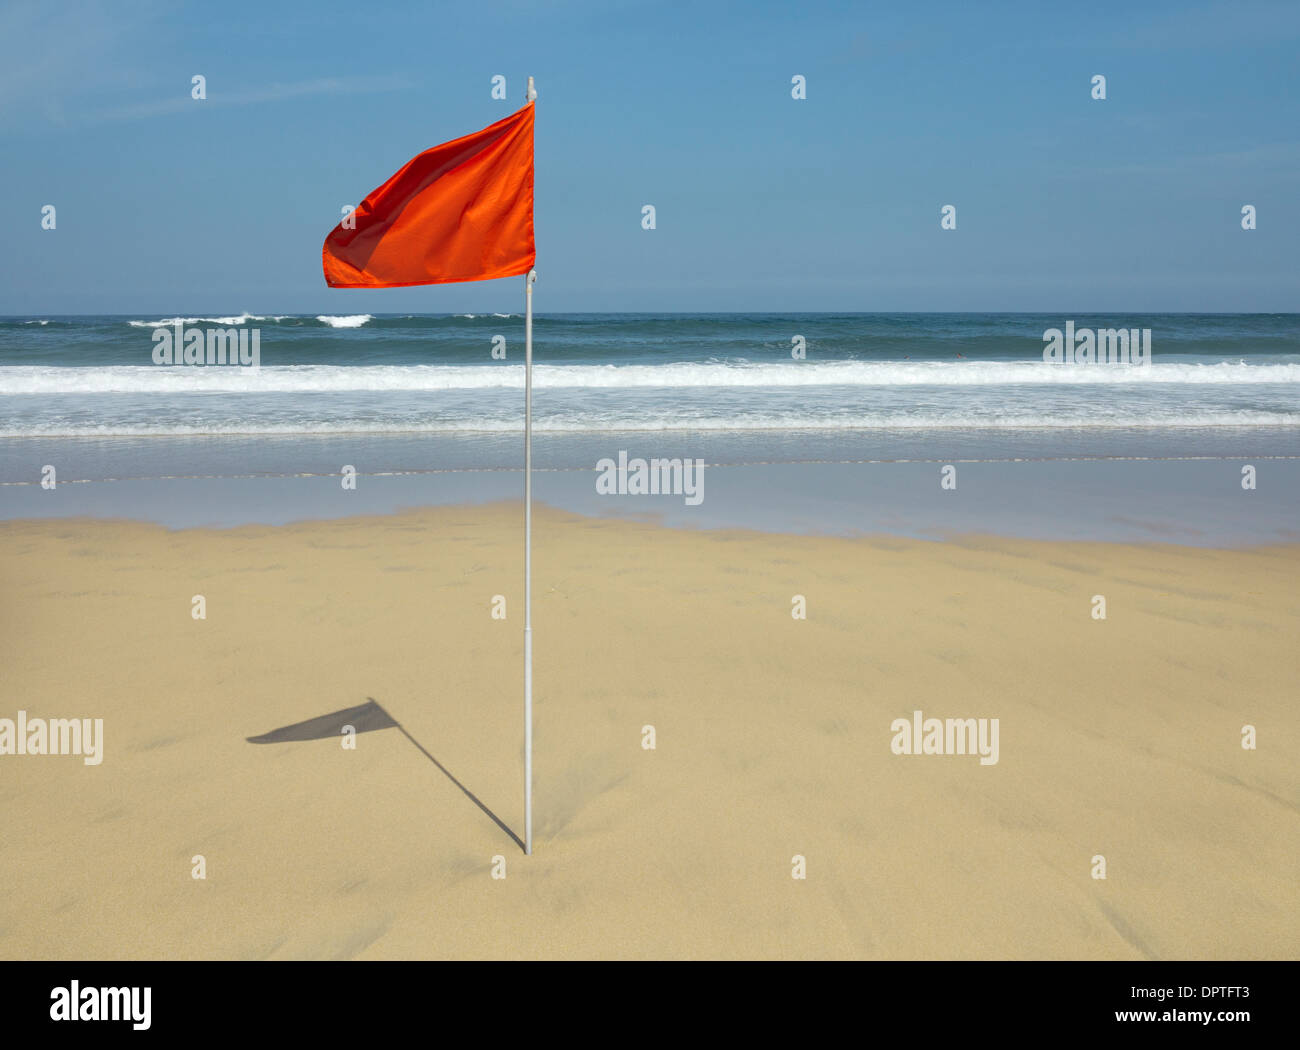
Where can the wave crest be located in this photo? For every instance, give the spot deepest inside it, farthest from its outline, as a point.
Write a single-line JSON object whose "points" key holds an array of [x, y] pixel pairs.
{"points": [[239, 319], [344, 321]]}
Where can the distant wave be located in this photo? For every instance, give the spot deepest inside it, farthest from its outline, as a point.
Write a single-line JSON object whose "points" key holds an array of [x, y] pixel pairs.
{"points": [[239, 319], [124, 379], [333, 321], [36, 322], [346, 321]]}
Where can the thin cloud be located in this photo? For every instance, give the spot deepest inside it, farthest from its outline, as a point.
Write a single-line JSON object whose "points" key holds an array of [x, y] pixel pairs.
{"points": [[271, 93]]}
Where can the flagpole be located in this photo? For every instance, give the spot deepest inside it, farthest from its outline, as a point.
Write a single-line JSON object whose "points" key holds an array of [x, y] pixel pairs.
{"points": [[528, 547], [528, 561]]}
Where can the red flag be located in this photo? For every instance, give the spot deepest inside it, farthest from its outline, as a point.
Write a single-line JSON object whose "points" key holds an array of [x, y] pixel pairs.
{"points": [[462, 211]]}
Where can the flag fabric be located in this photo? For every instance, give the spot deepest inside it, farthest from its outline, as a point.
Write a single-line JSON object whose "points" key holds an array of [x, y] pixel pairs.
{"points": [[461, 211]]}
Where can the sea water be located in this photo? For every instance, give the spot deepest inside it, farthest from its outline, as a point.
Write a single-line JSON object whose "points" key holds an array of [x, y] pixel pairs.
{"points": [[434, 395]]}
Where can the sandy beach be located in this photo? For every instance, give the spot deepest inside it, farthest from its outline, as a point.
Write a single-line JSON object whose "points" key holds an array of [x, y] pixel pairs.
{"points": [[1119, 738]]}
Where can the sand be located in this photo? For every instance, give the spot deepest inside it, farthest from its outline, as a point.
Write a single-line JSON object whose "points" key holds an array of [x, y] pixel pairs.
{"points": [[1119, 738]]}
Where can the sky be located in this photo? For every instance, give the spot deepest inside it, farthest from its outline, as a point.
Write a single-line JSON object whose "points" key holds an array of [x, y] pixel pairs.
{"points": [[166, 204]]}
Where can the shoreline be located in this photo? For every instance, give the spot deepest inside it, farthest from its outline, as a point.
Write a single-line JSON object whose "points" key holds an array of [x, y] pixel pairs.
{"points": [[1192, 501]]}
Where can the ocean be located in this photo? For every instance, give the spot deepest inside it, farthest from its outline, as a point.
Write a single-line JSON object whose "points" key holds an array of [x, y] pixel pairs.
{"points": [[424, 396], [93, 376]]}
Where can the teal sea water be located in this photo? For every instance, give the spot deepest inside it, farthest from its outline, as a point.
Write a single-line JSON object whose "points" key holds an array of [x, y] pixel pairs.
{"points": [[424, 411], [94, 376]]}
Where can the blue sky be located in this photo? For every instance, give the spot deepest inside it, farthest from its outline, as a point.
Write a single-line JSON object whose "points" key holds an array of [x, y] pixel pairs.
{"points": [[166, 204]]}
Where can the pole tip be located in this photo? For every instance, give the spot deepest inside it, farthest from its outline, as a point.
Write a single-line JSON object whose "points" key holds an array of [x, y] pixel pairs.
{"points": [[532, 91]]}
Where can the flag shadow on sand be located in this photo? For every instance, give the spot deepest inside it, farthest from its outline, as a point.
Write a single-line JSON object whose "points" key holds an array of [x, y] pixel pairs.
{"points": [[367, 718]]}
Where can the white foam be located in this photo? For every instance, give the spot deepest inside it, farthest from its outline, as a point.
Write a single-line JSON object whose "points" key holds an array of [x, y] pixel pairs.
{"points": [[345, 321], [239, 319], [124, 379]]}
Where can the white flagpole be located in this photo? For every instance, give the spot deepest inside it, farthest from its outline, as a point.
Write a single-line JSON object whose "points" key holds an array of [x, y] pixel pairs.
{"points": [[528, 547]]}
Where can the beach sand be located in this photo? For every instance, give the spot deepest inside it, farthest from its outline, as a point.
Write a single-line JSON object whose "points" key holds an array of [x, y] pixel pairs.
{"points": [[1119, 738]]}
